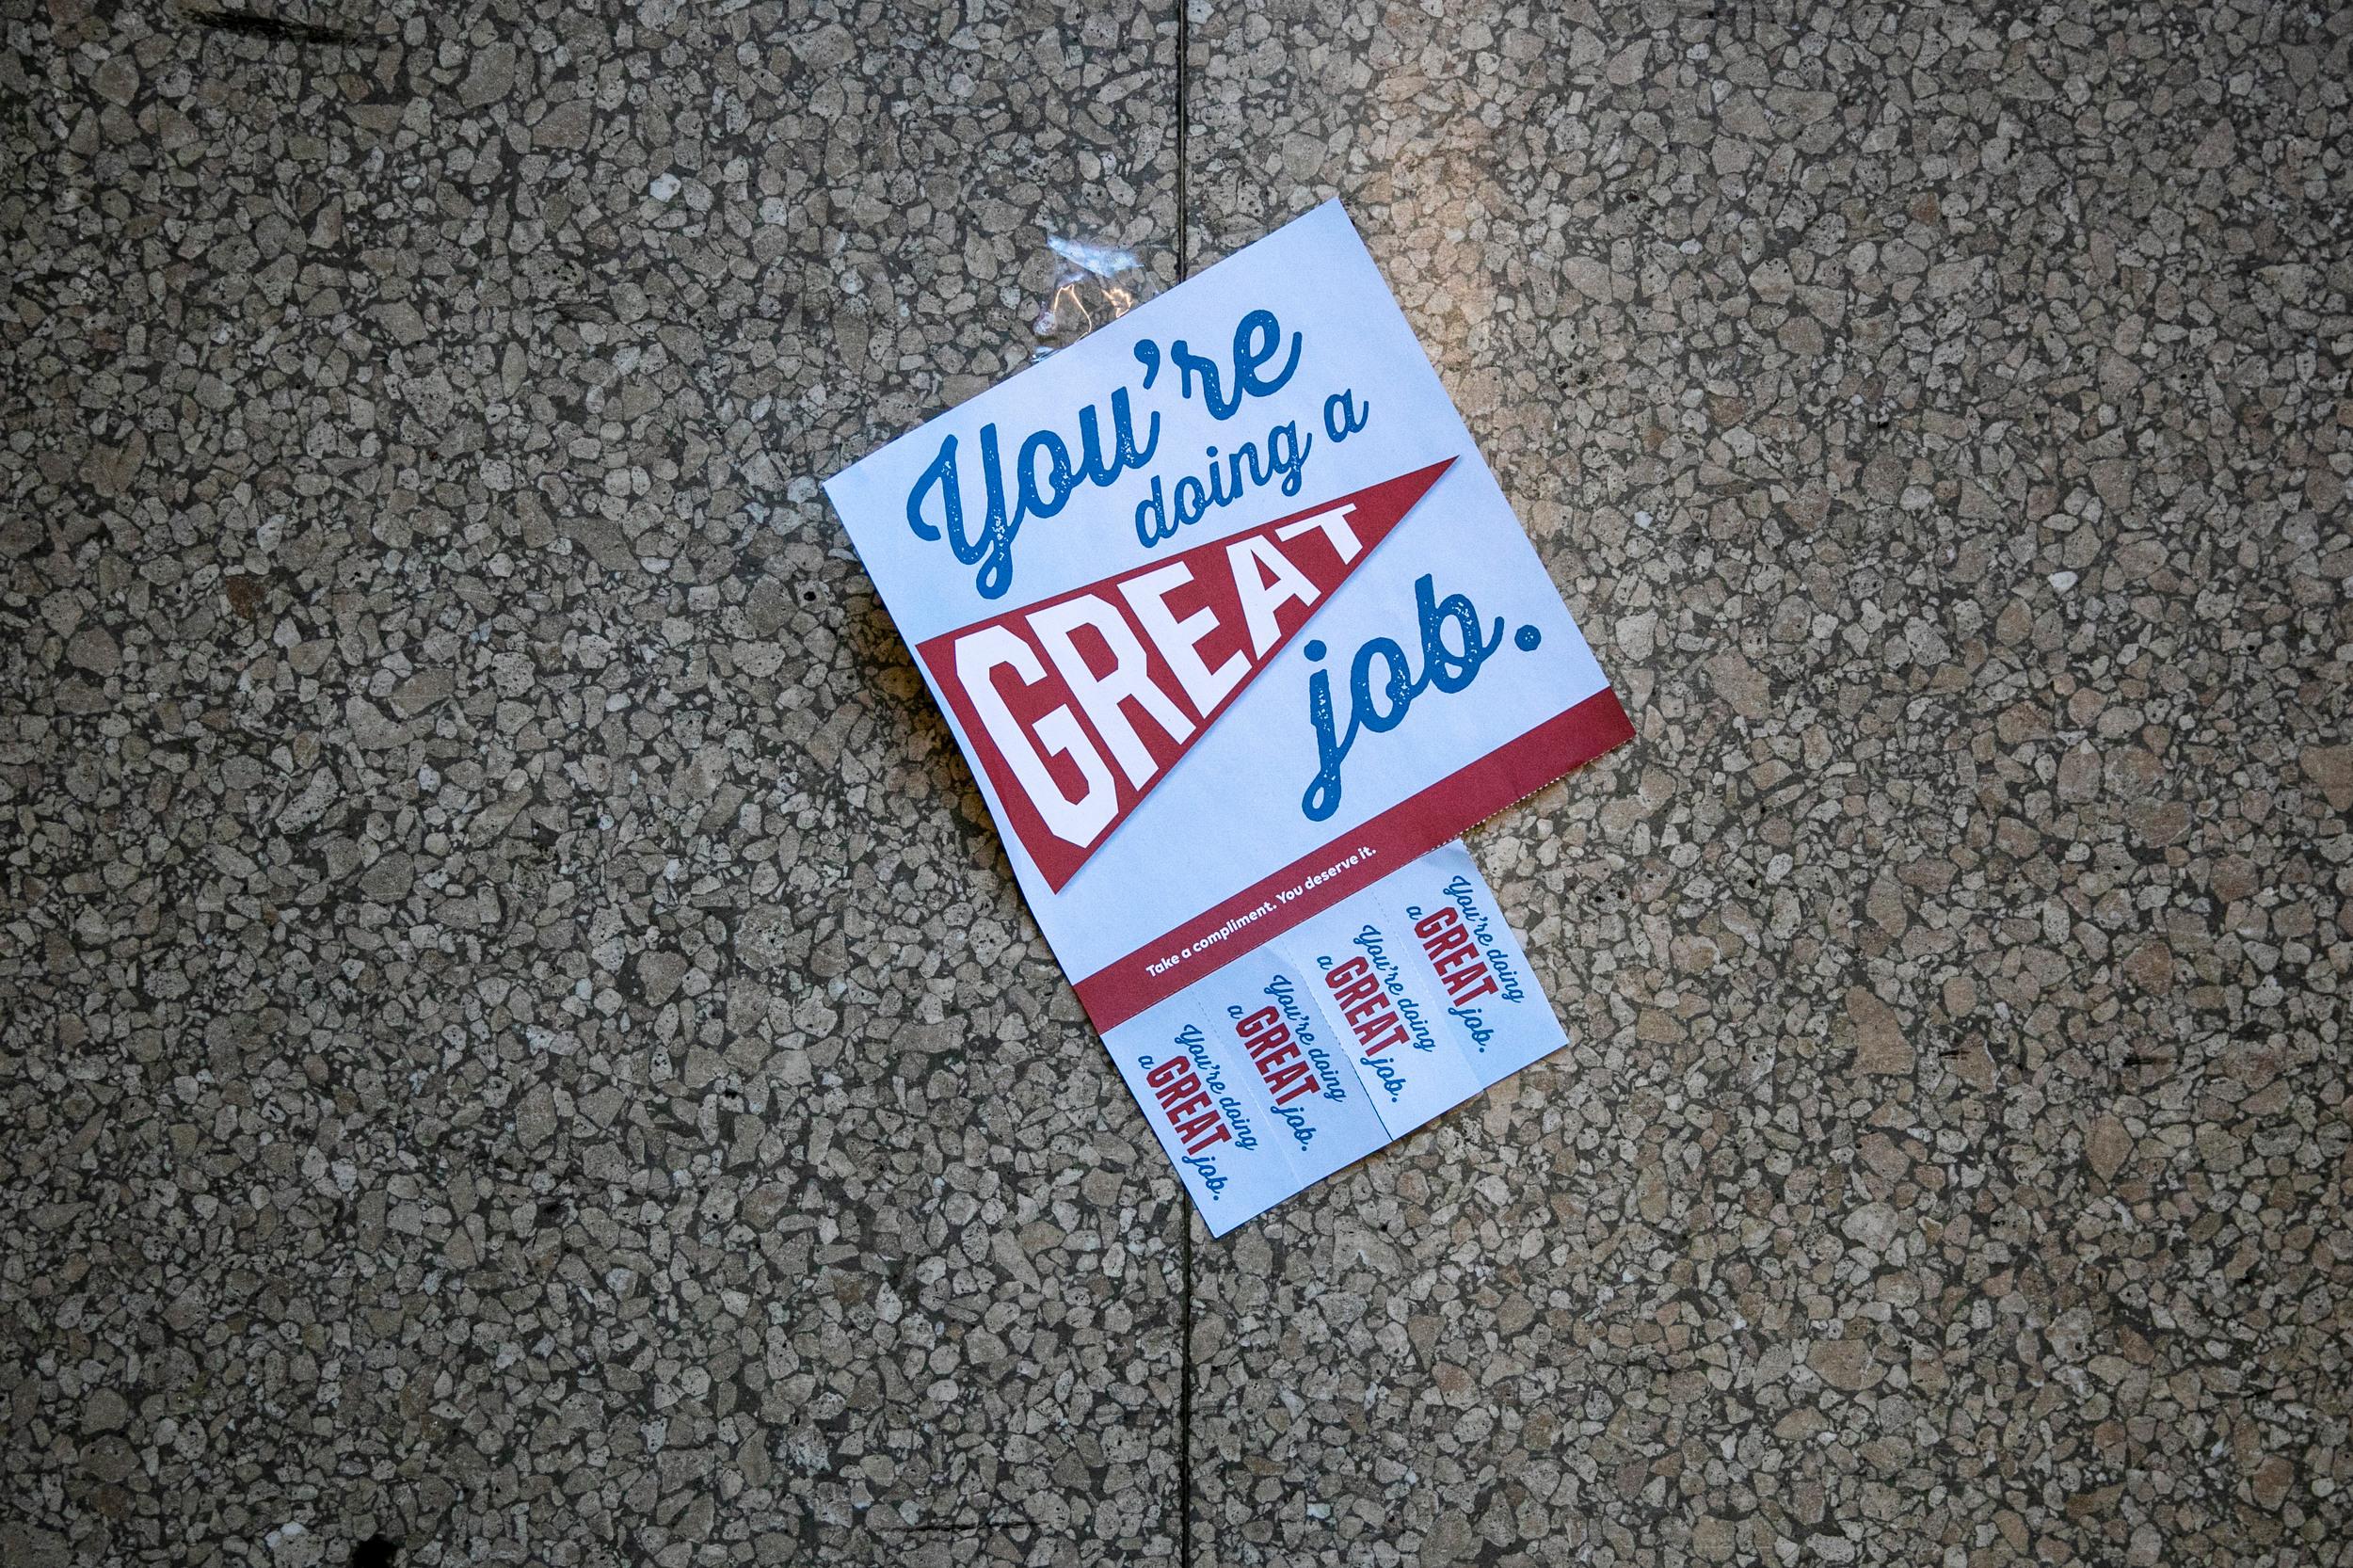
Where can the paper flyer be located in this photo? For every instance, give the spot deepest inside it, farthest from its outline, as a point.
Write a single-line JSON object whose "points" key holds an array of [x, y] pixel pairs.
{"points": [[1237, 629]]}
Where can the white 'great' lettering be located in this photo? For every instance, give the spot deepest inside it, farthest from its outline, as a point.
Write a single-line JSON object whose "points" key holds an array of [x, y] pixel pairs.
{"points": [[979, 656]]}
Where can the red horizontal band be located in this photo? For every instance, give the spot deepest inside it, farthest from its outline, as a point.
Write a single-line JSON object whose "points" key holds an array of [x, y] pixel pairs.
{"points": [[1412, 827]]}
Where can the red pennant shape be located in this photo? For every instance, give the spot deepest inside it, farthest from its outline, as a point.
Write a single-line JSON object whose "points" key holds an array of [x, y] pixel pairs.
{"points": [[1079, 704]]}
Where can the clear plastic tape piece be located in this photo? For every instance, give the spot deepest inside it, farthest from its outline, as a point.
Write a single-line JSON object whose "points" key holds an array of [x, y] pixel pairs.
{"points": [[1092, 284]]}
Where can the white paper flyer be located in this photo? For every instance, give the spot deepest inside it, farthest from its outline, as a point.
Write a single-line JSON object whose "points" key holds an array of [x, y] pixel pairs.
{"points": [[1237, 630]]}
